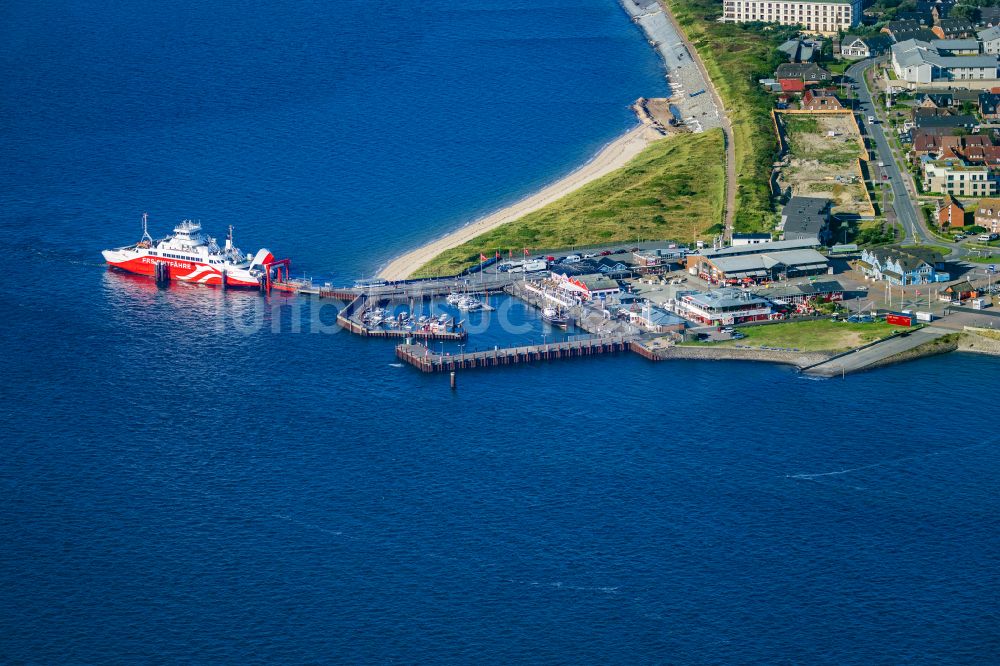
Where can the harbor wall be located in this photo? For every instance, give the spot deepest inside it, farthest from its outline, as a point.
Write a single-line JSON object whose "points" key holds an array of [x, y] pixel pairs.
{"points": [[797, 359], [980, 341]]}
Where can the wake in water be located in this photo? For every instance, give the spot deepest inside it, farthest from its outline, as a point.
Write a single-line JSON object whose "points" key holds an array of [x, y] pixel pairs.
{"points": [[311, 526], [559, 585], [889, 463]]}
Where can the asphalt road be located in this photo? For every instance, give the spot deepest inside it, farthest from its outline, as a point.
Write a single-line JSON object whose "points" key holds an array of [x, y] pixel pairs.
{"points": [[906, 212]]}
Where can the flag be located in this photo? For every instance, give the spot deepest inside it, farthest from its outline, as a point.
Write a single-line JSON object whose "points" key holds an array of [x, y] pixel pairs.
{"points": [[526, 252], [498, 255], [918, 292], [510, 253], [482, 257]]}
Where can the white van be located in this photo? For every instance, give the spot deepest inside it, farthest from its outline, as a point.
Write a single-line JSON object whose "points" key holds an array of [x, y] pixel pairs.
{"points": [[984, 238]]}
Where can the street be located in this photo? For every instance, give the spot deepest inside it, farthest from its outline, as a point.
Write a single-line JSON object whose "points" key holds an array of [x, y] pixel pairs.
{"points": [[906, 213]]}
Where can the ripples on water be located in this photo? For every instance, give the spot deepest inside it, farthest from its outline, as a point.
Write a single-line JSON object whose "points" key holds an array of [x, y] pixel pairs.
{"points": [[173, 489]]}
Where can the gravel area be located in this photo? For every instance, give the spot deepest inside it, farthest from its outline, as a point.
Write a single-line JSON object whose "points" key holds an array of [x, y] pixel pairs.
{"points": [[683, 76]]}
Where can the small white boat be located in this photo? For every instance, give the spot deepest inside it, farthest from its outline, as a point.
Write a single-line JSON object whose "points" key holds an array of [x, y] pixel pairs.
{"points": [[469, 304]]}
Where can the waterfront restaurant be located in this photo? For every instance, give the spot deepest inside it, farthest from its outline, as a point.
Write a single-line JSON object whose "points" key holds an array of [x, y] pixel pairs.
{"points": [[586, 287], [723, 307]]}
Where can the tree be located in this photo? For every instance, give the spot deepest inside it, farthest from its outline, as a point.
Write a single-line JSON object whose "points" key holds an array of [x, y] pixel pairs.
{"points": [[967, 12]]}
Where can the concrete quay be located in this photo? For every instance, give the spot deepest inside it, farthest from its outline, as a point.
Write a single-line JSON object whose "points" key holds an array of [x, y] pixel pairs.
{"points": [[883, 352]]}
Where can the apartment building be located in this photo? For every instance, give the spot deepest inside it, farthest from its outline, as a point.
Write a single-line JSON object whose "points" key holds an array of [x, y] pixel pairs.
{"points": [[823, 16]]}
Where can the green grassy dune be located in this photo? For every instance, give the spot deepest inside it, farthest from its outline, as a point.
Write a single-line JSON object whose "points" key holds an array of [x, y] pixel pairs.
{"points": [[674, 189], [736, 56]]}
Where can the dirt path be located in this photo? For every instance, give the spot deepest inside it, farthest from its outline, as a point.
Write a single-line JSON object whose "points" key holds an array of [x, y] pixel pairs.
{"points": [[727, 127]]}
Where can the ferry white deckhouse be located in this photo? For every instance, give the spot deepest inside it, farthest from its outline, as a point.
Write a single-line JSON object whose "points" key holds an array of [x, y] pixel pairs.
{"points": [[188, 256]]}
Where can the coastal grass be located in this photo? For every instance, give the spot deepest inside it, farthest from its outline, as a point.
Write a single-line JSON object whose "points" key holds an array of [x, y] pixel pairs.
{"points": [[940, 249], [813, 335], [736, 57], [673, 190]]}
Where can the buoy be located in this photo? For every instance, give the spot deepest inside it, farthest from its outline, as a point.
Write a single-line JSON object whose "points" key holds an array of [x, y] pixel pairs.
{"points": [[453, 383]]}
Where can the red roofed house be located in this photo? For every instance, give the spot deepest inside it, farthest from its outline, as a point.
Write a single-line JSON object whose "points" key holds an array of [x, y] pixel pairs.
{"points": [[950, 213], [821, 99], [925, 143], [974, 155], [792, 85]]}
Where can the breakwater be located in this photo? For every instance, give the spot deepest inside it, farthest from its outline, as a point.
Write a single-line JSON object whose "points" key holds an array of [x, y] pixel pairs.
{"points": [[693, 353]]}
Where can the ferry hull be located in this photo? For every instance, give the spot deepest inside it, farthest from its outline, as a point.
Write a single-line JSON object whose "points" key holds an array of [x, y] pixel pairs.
{"points": [[183, 271]]}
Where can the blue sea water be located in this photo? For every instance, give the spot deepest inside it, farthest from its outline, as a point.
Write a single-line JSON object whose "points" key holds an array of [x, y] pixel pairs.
{"points": [[192, 475]]}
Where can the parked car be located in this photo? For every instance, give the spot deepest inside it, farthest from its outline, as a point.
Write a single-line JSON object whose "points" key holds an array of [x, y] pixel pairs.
{"points": [[605, 253], [620, 250], [589, 255]]}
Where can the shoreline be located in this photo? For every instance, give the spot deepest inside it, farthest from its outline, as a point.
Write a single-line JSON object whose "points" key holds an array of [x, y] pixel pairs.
{"points": [[612, 157], [680, 72]]}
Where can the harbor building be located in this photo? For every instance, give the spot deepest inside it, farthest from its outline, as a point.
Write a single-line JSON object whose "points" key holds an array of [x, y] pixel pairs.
{"points": [[587, 287], [764, 262], [800, 296], [822, 16], [722, 307], [656, 320]]}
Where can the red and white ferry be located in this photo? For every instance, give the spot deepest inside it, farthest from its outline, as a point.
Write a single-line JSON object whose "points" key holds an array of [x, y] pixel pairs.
{"points": [[188, 256]]}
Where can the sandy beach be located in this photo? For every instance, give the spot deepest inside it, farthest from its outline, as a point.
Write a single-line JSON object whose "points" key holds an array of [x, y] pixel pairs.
{"points": [[613, 156]]}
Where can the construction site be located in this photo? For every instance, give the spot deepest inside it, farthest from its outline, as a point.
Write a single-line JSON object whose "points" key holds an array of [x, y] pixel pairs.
{"points": [[823, 155]]}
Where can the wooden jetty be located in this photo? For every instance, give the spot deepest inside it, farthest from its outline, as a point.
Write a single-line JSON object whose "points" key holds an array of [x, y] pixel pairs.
{"points": [[425, 360], [346, 320]]}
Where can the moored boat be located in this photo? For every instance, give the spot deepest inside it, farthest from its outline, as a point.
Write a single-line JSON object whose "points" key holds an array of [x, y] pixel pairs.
{"points": [[555, 317]]}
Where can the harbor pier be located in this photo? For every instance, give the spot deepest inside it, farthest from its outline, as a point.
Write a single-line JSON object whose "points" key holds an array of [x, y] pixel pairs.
{"points": [[424, 359]]}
